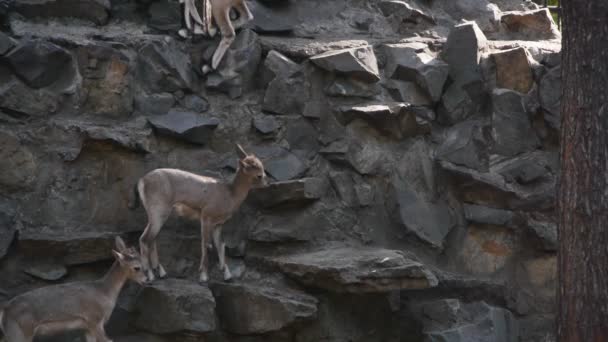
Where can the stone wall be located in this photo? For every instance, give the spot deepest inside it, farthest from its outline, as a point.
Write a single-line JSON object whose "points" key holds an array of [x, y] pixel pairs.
{"points": [[413, 157]]}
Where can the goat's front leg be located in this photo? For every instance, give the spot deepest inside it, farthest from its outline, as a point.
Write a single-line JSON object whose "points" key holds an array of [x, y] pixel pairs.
{"points": [[203, 265], [221, 15], [220, 246], [245, 15]]}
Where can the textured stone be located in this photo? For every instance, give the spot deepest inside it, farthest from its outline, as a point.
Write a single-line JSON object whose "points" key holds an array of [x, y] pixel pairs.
{"points": [[249, 309], [485, 215], [154, 104], [266, 124], [456, 105], [512, 130], [164, 67], [174, 305], [280, 163], [487, 250], [294, 225], [301, 191], [276, 64], [46, 271], [195, 103], [6, 43], [463, 53], [357, 62], [407, 64], [187, 126], [513, 70], [530, 25], [287, 95], [8, 227], [164, 15], [399, 120], [20, 169], [96, 11], [404, 11], [350, 87], [550, 96], [356, 270], [408, 92], [466, 144], [271, 17]]}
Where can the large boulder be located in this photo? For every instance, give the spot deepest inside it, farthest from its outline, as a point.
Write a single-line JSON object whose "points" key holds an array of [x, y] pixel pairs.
{"points": [[512, 129], [175, 305], [407, 64], [462, 52], [530, 25], [164, 66], [294, 225], [513, 70], [186, 126], [96, 11], [300, 191], [20, 169], [359, 62], [356, 270], [250, 309]]}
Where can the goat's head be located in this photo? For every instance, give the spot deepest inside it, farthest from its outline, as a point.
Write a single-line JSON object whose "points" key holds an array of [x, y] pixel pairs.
{"points": [[252, 167], [129, 259]]}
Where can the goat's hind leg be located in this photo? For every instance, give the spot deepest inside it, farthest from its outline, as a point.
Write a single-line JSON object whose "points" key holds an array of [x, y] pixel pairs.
{"points": [[157, 215], [205, 226], [222, 19]]}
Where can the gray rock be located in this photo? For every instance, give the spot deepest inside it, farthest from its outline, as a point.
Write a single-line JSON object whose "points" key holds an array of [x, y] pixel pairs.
{"points": [[249, 309], [429, 220], [357, 62], [513, 70], [195, 103], [344, 185], [277, 65], [18, 98], [462, 52], [266, 124], [277, 19], [530, 25], [164, 67], [20, 169], [550, 96], [365, 158], [174, 305], [511, 127], [456, 105], [350, 87], [399, 120], [280, 163], [154, 104], [8, 227], [528, 168], [466, 144], [545, 230], [453, 320], [407, 64], [296, 192], [39, 63], [408, 92], [6, 43], [295, 225], [356, 270], [46, 271], [486, 215], [96, 11], [404, 11], [164, 15], [186, 126], [287, 95]]}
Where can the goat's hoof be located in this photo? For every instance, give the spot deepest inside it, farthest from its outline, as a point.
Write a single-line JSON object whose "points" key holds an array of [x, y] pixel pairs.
{"points": [[150, 277], [227, 275], [183, 33], [203, 278], [161, 272], [206, 69]]}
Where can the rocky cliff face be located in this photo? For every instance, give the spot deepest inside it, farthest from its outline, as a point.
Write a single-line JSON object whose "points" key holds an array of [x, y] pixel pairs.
{"points": [[413, 158]]}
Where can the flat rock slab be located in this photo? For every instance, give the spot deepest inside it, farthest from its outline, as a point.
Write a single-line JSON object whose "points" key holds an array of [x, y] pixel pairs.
{"points": [[250, 309], [96, 11], [300, 191], [358, 62], [174, 305], [356, 270], [301, 48], [187, 126]]}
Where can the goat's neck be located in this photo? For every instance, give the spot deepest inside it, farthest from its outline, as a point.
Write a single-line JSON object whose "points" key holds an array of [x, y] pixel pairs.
{"points": [[240, 186], [113, 281]]}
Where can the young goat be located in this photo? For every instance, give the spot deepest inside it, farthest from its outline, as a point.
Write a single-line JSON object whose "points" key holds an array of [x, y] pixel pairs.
{"points": [[204, 198], [79, 305]]}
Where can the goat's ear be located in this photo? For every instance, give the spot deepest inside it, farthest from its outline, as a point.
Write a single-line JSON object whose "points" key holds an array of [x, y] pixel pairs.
{"points": [[120, 244], [120, 257], [240, 152], [243, 165]]}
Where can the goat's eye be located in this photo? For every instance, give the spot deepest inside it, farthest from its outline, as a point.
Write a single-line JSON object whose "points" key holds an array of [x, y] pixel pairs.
{"points": [[137, 268]]}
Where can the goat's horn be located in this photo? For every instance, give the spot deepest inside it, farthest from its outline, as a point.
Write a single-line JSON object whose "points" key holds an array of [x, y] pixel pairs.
{"points": [[240, 151]]}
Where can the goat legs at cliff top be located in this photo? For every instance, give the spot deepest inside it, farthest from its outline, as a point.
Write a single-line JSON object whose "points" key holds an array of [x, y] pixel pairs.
{"points": [[220, 12], [205, 199]]}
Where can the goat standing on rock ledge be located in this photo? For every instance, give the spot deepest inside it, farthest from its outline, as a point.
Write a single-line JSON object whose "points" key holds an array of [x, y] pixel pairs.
{"points": [[206, 199]]}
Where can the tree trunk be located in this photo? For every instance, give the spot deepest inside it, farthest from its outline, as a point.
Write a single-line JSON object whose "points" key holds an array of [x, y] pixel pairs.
{"points": [[583, 193]]}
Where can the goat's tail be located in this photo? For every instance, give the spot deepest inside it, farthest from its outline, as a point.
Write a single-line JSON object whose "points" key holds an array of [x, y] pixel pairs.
{"points": [[135, 198]]}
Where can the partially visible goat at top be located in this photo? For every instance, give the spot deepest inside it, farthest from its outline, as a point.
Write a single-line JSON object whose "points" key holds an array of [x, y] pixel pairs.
{"points": [[207, 199]]}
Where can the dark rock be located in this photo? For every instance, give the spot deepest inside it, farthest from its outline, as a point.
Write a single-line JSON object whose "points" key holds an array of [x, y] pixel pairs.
{"points": [[96, 11], [550, 96], [164, 67], [404, 11], [174, 305], [530, 167], [281, 164], [45, 271], [277, 65], [300, 49], [287, 95], [8, 227], [463, 53], [513, 70], [485, 215], [466, 144], [407, 64], [39, 64], [511, 127], [408, 92], [530, 25], [350, 87], [452, 320], [456, 105], [20, 169], [195, 103], [266, 124], [356, 270], [6, 43], [186, 126], [398, 120], [357, 62], [250, 309], [429, 220], [344, 185], [301, 191], [17, 97], [278, 19], [296, 225], [164, 15], [365, 158], [238, 68], [154, 104], [545, 230]]}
